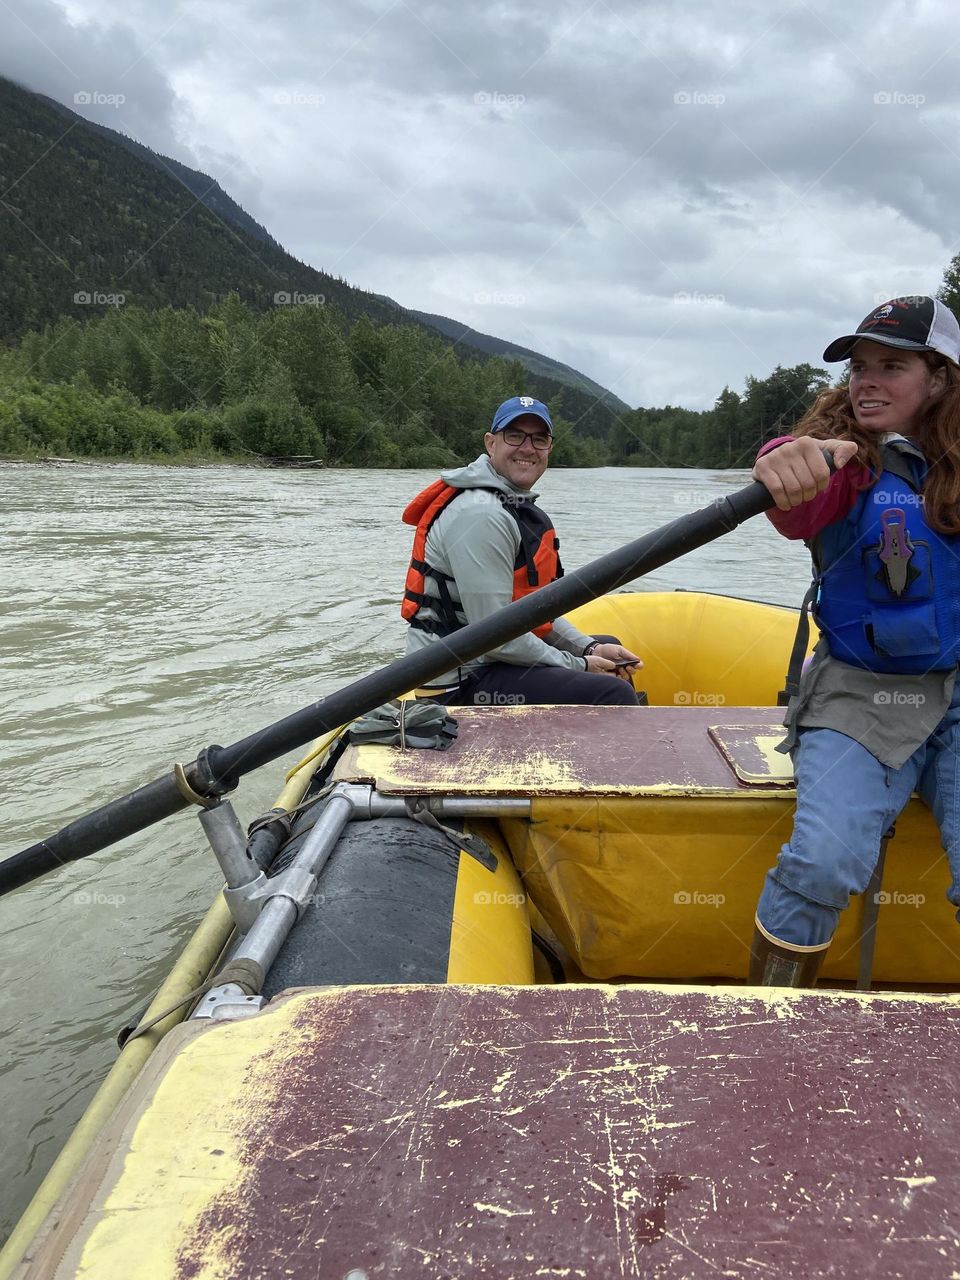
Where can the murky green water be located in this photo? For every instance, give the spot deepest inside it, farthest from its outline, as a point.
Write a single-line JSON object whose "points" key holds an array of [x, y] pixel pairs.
{"points": [[149, 611]]}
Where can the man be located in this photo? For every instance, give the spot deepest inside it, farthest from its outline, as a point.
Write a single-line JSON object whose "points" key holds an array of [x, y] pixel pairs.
{"points": [[481, 542]]}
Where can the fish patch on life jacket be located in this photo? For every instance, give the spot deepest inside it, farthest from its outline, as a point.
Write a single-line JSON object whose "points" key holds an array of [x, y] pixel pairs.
{"points": [[888, 586], [537, 561]]}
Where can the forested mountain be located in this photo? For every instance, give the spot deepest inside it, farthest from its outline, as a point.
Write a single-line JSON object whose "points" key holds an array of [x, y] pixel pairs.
{"points": [[92, 219], [145, 314], [84, 218], [206, 189]]}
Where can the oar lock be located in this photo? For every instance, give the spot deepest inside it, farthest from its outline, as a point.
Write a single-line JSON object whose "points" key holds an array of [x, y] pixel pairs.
{"points": [[205, 772]]}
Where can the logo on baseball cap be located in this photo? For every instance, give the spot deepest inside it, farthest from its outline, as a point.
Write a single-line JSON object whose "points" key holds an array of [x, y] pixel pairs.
{"points": [[516, 407], [912, 324]]}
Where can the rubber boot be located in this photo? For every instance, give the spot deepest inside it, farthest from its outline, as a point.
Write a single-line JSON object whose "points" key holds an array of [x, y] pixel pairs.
{"points": [[774, 963]]}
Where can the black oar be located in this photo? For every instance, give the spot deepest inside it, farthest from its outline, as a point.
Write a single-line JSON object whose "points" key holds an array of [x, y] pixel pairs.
{"points": [[217, 770]]}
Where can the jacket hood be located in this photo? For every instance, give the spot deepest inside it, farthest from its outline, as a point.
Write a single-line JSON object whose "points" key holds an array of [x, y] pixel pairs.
{"points": [[480, 474]]}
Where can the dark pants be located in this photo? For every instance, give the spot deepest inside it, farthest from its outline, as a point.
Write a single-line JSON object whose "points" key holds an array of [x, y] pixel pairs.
{"points": [[503, 684]]}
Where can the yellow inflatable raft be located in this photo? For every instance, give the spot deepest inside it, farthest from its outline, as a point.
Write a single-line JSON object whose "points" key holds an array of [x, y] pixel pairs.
{"points": [[435, 1073]]}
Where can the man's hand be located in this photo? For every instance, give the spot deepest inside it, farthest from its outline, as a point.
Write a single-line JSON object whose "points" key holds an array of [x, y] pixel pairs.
{"points": [[796, 471], [605, 656]]}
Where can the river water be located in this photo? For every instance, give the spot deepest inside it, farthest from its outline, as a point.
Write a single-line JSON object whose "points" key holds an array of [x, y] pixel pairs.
{"points": [[149, 611]]}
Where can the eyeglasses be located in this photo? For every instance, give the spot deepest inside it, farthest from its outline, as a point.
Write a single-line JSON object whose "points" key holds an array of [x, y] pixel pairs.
{"points": [[514, 437]]}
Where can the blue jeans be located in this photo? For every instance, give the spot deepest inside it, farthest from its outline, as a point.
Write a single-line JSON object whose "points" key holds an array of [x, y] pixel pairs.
{"points": [[846, 800]]}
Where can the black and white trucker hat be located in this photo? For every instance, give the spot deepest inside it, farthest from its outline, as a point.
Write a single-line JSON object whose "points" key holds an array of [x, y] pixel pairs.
{"points": [[912, 324]]}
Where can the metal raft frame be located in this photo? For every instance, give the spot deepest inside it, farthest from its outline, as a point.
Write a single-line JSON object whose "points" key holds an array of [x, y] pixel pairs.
{"points": [[265, 909]]}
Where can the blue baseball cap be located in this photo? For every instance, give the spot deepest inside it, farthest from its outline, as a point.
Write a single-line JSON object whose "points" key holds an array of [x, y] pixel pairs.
{"points": [[516, 407]]}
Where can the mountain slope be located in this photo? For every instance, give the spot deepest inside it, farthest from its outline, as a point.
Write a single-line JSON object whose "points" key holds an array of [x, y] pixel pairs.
{"points": [[542, 365], [204, 188], [90, 219]]}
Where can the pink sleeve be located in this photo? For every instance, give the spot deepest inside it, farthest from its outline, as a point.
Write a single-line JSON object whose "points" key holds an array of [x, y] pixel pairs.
{"points": [[830, 505]]}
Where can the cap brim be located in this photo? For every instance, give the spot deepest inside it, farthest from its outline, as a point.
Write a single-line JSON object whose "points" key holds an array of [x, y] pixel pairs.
{"points": [[521, 413], [841, 348]]}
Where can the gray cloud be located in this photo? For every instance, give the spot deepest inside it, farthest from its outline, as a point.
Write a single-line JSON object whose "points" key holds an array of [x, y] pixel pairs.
{"points": [[98, 68], [669, 199]]}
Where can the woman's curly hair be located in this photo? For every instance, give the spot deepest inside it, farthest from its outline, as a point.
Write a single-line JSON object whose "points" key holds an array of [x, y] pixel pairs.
{"points": [[830, 417]]}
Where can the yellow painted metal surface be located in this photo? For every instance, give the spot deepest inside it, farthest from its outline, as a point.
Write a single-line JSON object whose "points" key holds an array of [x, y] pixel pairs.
{"points": [[117, 1225], [195, 962], [163, 1199]]}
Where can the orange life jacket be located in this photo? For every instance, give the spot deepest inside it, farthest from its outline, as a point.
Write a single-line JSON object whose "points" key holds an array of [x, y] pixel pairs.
{"points": [[537, 562]]}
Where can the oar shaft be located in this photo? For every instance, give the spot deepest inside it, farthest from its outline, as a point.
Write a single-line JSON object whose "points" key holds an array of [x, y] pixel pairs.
{"points": [[94, 831], [218, 768]]}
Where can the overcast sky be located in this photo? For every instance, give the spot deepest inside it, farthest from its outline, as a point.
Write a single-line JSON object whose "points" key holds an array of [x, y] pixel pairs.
{"points": [[668, 197]]}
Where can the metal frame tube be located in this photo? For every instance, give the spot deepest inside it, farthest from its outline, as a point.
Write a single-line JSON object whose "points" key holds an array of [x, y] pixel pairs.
{"points": [[347, 802], [228, 841], [272, 926]]}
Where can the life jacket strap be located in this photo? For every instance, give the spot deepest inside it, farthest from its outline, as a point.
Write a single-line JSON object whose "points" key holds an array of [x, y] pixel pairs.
{"points": [[791, 685]]}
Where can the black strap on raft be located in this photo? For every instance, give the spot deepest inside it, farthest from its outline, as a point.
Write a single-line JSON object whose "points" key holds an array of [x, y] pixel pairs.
{"points": [[554, 963], [871, 908], [417, 809], [800, 641]]}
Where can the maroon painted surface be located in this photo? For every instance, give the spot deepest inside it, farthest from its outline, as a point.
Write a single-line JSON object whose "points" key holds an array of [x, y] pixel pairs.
{"points": [[592, 1132], [531, 750]]}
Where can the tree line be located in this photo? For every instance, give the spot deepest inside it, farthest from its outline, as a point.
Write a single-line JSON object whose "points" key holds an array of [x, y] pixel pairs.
{"points": [[300, 380], [295, 381]]}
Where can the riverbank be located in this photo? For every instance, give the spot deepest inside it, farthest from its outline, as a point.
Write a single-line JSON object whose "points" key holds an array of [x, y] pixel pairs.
{"points": [[175, 460]]}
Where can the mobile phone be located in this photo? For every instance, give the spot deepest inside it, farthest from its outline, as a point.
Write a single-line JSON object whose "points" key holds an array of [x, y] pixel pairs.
{"points": [[631, 662]]}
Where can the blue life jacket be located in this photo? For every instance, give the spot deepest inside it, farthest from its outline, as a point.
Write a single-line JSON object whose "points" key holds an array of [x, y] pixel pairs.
{"points": [[888, 586]]}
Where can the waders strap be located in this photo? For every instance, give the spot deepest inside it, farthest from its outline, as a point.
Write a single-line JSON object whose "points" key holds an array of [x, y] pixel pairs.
{"points": [[800, 641], [871, 908]]}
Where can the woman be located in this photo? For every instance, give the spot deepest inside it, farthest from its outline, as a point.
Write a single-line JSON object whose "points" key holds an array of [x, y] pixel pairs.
{"points": [[878, 711]]}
